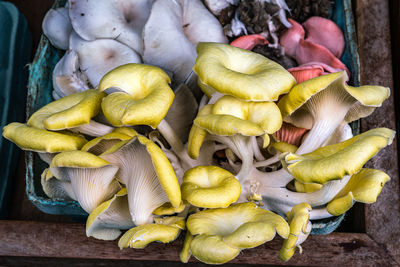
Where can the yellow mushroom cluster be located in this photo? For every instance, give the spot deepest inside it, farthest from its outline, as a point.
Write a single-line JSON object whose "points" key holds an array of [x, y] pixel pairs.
{"points": [[258, 155]]}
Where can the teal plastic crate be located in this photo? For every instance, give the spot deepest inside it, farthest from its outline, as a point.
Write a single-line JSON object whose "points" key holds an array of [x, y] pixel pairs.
{"points": [[15, 51], [39, 94]]}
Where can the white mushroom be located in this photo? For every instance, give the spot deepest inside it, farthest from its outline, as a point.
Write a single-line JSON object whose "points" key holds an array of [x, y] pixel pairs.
{"points": [[57, 27], [172, 32], [122, 20], [98, 57], [67, 77]]}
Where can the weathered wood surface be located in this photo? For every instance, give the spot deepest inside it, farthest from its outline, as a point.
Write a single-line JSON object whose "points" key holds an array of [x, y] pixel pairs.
{"points": [[382, 219], [68, 240]]}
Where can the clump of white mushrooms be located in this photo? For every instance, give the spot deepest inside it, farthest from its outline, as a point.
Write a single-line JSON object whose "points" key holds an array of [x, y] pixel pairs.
{"points": [[258, 155]]}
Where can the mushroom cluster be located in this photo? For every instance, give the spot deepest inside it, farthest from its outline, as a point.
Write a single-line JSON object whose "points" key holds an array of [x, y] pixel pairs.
{"points": [[100, 35], [160, 127], [260, 154]]}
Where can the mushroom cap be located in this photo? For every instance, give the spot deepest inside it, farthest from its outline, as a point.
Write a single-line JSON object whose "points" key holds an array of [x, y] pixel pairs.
{"points": [[248, 42], [298, 219], [162, 167], [291, 37], [283, 147], [337, 160], [40, 140], [67, 77], [325, 32], [168, 209], [68, 112], [366, 98], [211, 249], [364, 186], [100, 56], [145, 99], [210, 187], [241, 73], [101, 144], [92, 177], [122, 20], [243, 225], [185, 254], [172, 32], [57, 27], [55, 188], [230, 116], [306, 188], [290, 134], [105, 221], [141, 236], [197, 134]]}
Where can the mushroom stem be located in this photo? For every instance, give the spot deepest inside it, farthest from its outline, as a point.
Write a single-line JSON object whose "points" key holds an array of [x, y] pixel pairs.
{"points": [[242, 147], [319, 133], [256, 149], [94, 128], [272, 160], [275, 197], [176, 144], [320, 213]]}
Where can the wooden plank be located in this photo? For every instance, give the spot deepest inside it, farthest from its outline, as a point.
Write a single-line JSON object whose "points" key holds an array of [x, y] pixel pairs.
{"points": [[382, 219], [68, 240]]}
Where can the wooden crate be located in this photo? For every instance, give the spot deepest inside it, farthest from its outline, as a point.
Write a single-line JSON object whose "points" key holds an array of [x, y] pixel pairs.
{"points": [[37, 242]]}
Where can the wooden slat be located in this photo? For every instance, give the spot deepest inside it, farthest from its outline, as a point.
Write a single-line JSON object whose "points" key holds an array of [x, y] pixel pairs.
{"points": [[382, 219], [68, 240]]}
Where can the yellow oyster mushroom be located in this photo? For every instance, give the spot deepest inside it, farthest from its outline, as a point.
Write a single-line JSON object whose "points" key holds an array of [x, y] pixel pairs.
{"points": [[300, 228], [197, 134], [148, 175], [236, 123], [168, 209], [101, 144], [241, 73], [145, 95], [141, 236], [210, 187], [91, 177], [337, 160], [73, 112], [41, 140], [107, 220], [323, 103], [55, 188], [176, 221], [230, 116], [211, 249], [364, 187], [185, 254], [306, 188], [222, 233]]}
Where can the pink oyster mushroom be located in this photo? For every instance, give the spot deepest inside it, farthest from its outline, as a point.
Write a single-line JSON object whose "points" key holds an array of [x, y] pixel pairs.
{"points": [[248, 42], [319, 41], [290, 134], [311, 70]]}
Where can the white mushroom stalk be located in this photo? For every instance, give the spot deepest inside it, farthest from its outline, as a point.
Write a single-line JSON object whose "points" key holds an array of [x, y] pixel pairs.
{"points": [[57, 27], [147, 174], [91, 177], [323, 103]]}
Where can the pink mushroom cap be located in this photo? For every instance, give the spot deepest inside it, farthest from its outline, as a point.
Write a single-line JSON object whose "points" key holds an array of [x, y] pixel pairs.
{"points": [[248, 42], [325, 32]]}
